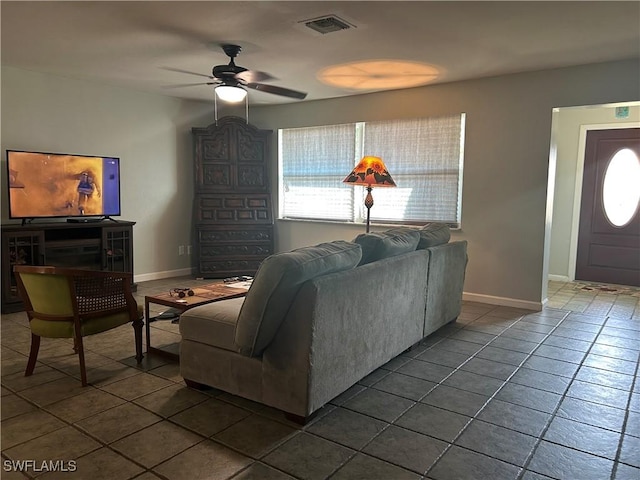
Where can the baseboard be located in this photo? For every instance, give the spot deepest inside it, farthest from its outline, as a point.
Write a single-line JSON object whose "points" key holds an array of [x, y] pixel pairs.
{"points": [[558, 278], [502, 301], [145, 277]]}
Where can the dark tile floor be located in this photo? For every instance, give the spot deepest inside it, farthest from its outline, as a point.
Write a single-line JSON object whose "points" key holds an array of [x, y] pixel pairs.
{"points": [[501, 394]]}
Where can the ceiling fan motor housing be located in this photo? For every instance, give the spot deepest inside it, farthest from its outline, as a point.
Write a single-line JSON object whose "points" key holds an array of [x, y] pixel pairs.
{"points": [[227, 72], [221, 71]]}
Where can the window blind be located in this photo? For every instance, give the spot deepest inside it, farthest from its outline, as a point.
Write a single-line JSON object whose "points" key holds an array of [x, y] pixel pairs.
{"points": [[313, 162], [424, 157]]}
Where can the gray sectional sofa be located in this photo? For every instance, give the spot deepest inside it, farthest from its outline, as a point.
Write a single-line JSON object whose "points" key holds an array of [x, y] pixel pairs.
{"points": [[318, 319]]}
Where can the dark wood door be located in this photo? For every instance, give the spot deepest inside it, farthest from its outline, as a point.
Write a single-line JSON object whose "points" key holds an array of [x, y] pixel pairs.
{"points": [[609, 234]]}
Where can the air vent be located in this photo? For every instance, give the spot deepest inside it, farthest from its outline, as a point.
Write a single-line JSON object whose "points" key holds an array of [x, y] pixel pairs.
{"points": [[327, 24]]}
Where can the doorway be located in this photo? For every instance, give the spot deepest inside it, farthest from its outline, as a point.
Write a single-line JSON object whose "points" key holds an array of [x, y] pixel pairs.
{"points": [[570, 126], [609, 232]]}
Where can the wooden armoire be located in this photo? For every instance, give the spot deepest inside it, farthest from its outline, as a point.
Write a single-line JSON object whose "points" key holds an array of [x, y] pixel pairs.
{"points": [[232, 207]]}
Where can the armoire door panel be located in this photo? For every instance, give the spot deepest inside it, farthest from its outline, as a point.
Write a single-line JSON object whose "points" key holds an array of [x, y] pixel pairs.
{"points": [[216, 176], [216, 146], [251, 146], [252, 177]]}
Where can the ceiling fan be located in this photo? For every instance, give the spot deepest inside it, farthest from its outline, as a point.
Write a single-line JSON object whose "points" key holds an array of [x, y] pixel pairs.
{"points": [[232, 79]]}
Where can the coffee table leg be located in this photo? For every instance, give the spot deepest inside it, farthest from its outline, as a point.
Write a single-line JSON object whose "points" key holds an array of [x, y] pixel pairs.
{"points": [[137, 328], [146, 316]]}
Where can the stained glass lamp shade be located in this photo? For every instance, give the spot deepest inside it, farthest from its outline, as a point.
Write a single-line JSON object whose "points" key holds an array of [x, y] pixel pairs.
{"points": [[370, 172]]}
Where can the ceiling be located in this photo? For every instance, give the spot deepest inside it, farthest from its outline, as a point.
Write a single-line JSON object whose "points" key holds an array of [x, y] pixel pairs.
{"points": [[137, 44]]}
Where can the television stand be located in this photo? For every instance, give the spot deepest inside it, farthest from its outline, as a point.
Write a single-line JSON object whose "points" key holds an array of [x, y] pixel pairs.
{"points": [[93, 245]]}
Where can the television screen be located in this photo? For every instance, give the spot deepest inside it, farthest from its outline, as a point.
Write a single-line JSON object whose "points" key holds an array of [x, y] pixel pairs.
{"points": [[62, 185]]}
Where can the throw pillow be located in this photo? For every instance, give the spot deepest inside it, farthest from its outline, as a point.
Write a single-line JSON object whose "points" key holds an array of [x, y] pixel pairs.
{"points": [[433, 234], [396, 241], [277, 282]]}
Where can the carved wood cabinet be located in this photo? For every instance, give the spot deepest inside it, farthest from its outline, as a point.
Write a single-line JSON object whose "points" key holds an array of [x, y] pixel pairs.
{"points": [[232, 207]]}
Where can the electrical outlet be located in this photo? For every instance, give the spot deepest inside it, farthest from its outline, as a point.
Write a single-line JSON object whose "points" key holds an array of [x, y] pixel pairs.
{"points": [[188, 249], [181, 250]]}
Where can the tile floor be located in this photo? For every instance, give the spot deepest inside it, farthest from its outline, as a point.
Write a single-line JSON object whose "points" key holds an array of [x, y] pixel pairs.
{"points": [[501, 394]]}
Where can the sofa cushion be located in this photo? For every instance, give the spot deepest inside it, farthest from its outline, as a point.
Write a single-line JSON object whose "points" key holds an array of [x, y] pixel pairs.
{"points": [[276, 283], [379, 245], [212, 324], [433, 234]]}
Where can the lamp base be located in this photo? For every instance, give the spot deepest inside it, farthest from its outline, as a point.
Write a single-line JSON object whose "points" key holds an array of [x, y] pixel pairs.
{"points": [[368, 202]]}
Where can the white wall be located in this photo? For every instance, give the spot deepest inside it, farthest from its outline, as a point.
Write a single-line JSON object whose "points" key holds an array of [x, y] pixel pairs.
{"points": [[506, 162], [150, 134], [508, 130], [568, 125]]}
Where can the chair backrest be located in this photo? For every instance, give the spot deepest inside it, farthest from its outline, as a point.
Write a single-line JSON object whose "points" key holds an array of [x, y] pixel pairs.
{"points": [[63, 292], [45, 291]]}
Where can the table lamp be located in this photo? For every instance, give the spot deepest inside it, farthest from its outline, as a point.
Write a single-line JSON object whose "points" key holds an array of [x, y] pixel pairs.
{"points": [[370, 171]]}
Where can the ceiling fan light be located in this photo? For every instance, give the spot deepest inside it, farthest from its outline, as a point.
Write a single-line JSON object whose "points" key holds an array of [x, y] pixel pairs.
{"points": [[231, 94]]}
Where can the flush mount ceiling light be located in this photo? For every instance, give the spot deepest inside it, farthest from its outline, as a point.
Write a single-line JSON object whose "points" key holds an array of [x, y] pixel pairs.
{"points": [[231, 94], [379, 74]]}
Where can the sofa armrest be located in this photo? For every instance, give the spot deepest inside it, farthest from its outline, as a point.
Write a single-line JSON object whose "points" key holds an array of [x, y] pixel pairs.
{"points": [[447, 266]]}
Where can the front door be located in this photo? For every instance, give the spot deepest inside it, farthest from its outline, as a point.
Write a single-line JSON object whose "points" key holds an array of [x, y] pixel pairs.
{"points": [[609, 234]]}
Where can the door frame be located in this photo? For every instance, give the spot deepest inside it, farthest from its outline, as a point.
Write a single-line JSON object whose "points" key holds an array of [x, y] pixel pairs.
{"points": [[577, 199]]}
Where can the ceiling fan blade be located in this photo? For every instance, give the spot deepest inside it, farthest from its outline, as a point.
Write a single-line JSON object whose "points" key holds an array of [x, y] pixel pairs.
{"points": [[252, 76], [285, 92], [179, 70], [181, 85]]}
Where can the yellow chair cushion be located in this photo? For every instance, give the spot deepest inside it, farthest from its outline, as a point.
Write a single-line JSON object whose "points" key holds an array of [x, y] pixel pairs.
{"points": [[49, 329]]}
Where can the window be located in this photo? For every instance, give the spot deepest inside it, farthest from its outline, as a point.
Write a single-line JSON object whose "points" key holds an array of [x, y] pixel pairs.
{"points": [[424, 156], [620, 194]]}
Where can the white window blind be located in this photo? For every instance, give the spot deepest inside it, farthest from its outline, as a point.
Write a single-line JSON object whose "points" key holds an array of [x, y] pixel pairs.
{"points": [[313, 162], [424, 156]]}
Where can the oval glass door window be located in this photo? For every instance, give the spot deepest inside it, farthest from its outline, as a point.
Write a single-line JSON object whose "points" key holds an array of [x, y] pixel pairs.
{"points": [[621, 187]]}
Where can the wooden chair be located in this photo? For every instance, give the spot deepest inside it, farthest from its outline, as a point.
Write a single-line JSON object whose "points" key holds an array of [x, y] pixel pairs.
{"points": [[73, 303]]}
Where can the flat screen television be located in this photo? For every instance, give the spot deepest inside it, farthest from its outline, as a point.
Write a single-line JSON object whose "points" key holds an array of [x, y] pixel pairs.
{"points": [[54, 185]]}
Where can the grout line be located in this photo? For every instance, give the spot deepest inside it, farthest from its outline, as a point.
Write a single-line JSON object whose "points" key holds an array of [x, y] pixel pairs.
{"points": [[555, 411], [475, 416], [625, 422]]}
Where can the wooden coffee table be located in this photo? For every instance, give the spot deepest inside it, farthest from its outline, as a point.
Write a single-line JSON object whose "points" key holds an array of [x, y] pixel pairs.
{"points": [[202, 295]]}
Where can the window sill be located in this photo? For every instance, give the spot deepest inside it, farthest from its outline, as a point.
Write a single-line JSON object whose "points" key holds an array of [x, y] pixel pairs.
{"points": [[357, 225]]}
